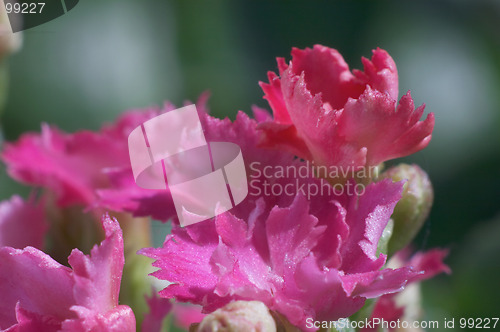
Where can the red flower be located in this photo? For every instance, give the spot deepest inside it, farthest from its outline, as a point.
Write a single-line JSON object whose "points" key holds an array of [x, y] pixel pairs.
{"points": [[326, 113]]}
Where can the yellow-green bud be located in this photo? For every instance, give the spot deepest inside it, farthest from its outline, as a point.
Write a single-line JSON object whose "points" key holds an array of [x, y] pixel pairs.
{"points": [[414, 206]]}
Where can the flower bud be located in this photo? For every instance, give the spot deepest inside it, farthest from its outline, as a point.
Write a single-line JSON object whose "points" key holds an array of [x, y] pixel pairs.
{"points": [[414, 206], [9, 41], [239, 316]]}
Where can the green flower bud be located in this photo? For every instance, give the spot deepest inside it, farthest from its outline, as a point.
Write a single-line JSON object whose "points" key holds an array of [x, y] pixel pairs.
{"points": [[239, 316], [9, 41], [414, 206]]}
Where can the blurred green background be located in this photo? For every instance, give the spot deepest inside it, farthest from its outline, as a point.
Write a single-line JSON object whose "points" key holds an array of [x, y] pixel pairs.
{"points": [[104, 57]]}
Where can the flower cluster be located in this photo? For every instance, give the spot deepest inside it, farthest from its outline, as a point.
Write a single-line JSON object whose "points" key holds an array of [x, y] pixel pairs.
{"points": [[273, 261]]}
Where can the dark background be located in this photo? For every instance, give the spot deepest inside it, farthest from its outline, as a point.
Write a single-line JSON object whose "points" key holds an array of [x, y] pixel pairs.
{"points": [[104, 57]]}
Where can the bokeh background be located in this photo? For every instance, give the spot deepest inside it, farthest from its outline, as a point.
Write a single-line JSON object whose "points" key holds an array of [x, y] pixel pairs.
{"points": [[104, 57]]}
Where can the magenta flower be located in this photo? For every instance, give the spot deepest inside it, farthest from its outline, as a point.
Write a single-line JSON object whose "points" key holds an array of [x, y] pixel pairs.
{"points": [[70, 165], [39, 294], [91, 169], [22, 223], [325, 113], [301, 258]]}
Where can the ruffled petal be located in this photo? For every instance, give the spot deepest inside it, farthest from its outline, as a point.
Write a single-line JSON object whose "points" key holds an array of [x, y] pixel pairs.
{"points": [[97, 276], [337, 118], [38, 283], [373, 122], [367, 217], [38, 291]]}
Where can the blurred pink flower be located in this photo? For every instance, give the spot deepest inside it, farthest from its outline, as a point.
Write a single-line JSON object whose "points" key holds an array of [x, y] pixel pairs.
{"points": [[22, 223], [159, 308], [86, 168], [186, 314], [39, 294], [183, 314], [325, 113], [430, 263]]}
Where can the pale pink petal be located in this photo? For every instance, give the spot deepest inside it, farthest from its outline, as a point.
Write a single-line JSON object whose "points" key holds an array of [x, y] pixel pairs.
{"points": [[261, 114], [326, 72], [22, 223], [186, 314]]}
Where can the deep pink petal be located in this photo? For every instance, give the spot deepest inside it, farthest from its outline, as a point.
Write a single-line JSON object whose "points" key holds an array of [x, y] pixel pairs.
{"points": [[380, 73], [327, 73], [367, 217], [186, 263], [429, 263], [70, 165], [338, 118], [159, 308], [273, 94], [386, 309], [326, 302], [373, 122], [33, 322], [291, 241]]}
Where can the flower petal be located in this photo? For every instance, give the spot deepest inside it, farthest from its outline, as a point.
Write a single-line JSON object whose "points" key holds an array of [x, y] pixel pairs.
{"points": [[22, 223]]}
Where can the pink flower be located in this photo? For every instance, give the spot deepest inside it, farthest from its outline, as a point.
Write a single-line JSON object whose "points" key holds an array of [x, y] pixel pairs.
{"points": [[284, 251], [39, 294], [86, 168], [22, 223], [304, 260], [325, 113], [125, 195], [430, 263]]}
